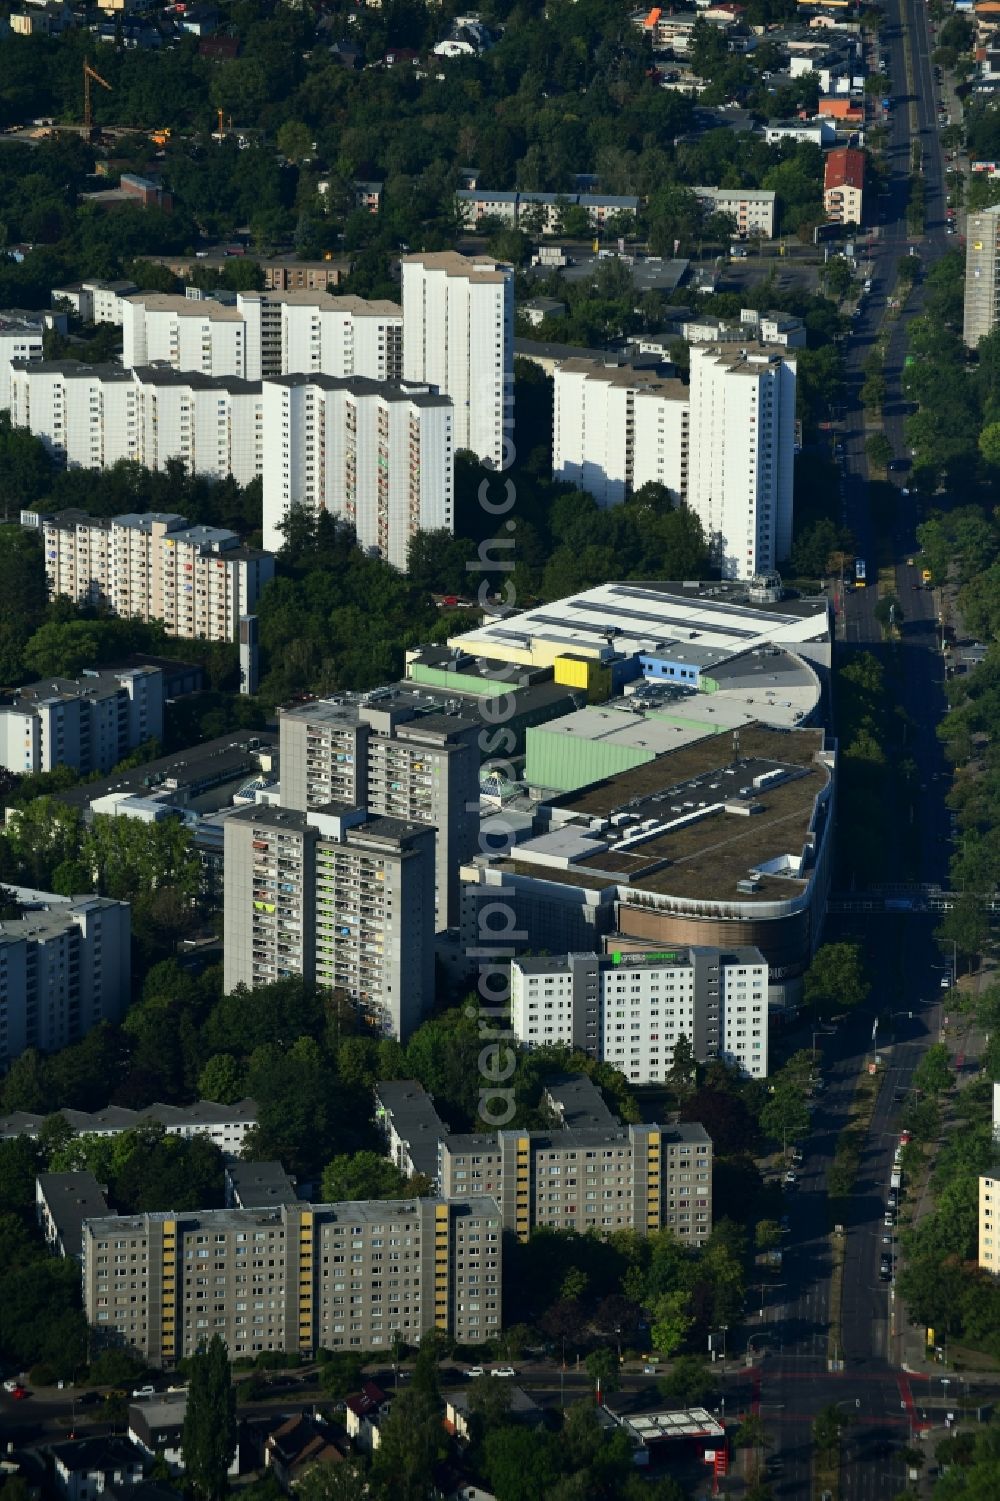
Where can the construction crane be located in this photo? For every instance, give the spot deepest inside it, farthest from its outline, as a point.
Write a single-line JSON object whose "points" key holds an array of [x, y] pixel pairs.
{"points": [[88, 74]]}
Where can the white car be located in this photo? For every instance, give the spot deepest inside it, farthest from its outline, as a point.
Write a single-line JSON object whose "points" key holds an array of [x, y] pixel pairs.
{"points": [[144, 1391], [502, 1370], [476, 1370], [11, 1385]]}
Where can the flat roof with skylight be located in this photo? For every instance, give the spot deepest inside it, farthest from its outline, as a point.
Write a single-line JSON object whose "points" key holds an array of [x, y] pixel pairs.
{"points": [[631, 618]]}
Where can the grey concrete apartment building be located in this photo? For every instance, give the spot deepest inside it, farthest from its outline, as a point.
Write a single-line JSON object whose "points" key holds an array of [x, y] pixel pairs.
{"points": [[335, 895], [589, 1173], [90, 723], [390, 760], [294, 1278], [65, 967], [642, 1178]]}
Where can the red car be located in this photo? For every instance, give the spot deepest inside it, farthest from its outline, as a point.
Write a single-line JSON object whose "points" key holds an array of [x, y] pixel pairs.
{"points": [[19, 1394]]}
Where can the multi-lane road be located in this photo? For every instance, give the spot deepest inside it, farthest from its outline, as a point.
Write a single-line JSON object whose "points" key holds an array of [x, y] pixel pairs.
{"points": [[794, 1380]]}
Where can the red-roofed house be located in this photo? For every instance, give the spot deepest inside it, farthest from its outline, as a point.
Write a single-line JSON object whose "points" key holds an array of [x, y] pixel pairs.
{"points": [[844, 185], [299, 1443], [362, 1414]]}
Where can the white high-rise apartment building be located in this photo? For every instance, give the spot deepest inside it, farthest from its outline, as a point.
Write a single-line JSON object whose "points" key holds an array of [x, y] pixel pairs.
{"points": [[302, 332], [186, 333], [725, 445], [65, 967], [616, 428], [629, 1009], [197, 579], [378, 454], [458, 335], [90, 416], [264, 333], [338, 896], [741, 455], [20, 339]]}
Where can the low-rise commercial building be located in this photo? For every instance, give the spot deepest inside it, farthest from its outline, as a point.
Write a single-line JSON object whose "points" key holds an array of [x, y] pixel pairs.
{"points": [[65, 967], [89, 723], [296, 1279], [629, 1009], [198, 779], [705, 845], [198, 580], [672, 632]]}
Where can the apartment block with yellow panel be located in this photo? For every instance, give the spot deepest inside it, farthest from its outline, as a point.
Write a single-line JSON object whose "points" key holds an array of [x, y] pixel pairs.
{"points": [[305, 1288], [654, 1188], [168, 1275], [442, 1248]]}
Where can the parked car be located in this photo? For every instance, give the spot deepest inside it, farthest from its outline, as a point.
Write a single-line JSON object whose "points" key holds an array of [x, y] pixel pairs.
{"points": [[144, 1391], [502, 1370], [889, 1219], [19, 1394], [476, 1370]]}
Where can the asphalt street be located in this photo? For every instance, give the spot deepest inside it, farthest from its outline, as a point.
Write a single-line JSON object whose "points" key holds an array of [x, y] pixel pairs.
{"points": [[794, 1380]]}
